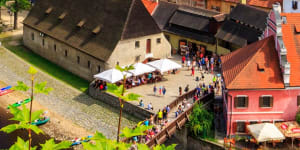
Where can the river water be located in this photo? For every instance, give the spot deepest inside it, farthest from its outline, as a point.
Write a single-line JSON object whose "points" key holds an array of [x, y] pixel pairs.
{"points": [[6, 140]]}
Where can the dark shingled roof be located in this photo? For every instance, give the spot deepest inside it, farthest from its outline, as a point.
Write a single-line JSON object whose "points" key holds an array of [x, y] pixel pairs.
{"points": [[250, 15], [186, 21], [238, 34], [190, 21], [126, 19]]}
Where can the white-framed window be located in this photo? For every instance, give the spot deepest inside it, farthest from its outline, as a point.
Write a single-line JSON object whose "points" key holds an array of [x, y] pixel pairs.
{"points": [[241, 101], [266, 101]]}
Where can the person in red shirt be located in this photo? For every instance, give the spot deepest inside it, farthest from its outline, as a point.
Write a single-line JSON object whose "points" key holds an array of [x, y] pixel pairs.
{"points": [[101, 87], [193, 71], [182, 60]]}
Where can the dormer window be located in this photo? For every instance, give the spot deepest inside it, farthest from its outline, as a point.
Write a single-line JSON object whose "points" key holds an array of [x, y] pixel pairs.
{"points": [[62, 16], [294, 4], [260, 68], [96, 30], [81, 23], [48, 11]]}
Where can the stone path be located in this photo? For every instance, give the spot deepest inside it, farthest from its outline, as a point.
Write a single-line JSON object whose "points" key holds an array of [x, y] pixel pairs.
{"points": [[172, 84], [65, 100]]}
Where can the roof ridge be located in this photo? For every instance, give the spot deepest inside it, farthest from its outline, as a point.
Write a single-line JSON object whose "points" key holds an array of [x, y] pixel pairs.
{"points": [[250, 59], [127, 18]]}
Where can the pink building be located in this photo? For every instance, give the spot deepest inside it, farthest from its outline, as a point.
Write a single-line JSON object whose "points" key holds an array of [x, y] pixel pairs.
{"points": [[262, 80]]}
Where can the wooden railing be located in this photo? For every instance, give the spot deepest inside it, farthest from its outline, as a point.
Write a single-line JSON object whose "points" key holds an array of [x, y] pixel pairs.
{"points": [[170, 129]]}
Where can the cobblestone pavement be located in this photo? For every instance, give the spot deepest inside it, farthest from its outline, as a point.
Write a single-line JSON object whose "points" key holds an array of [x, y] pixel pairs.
{"points": [[65, 100], [172, 83]]}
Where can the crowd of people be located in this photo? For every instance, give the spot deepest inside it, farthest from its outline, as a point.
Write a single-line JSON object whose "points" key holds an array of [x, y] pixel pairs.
{"points": [[100, 84], [204, 63]]}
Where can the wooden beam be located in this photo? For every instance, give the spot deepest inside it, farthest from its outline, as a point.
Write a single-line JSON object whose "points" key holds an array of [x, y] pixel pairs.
{"points": [[187, 117], [177, 124], [156, 141], [168, 134]]}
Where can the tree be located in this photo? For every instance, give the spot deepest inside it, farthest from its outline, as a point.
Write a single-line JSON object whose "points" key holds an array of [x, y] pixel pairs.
{"points": [[16, 7], [119, 92], [201, 121], [35, 88]]}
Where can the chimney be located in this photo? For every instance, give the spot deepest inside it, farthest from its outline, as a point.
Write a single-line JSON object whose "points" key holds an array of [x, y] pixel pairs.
{"points": [[284, 64]]}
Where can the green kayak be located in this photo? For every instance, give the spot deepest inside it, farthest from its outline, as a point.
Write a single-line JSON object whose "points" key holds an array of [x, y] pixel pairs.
{"points": [[41, 121], [19, 103]]}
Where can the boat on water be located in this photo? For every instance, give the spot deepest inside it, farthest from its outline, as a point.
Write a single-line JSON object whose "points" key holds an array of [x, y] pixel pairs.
{"points": [[41, 121], [4, 92], [19, 103], [78, 141], [6, 88]]}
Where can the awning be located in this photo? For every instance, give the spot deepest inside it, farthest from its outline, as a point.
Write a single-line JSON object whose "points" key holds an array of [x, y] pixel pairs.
{"points": [[112, 75]]}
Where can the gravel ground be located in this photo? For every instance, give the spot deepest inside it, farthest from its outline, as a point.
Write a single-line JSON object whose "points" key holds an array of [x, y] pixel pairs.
{"points": [[69, 102]]}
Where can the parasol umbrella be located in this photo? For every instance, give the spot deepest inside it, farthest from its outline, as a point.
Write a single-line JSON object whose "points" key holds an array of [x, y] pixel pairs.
{"points": [[164, 65], [112, 75], [265, 132], [140, 68]]}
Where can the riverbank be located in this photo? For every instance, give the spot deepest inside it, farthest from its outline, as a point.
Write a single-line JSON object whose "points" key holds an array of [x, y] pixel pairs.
{"points": [[59, 127]]}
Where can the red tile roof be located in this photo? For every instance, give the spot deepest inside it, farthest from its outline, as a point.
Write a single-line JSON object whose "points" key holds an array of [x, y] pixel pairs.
{"points": [[150, 5], [242, 69], [263, 3], [291, 39]]}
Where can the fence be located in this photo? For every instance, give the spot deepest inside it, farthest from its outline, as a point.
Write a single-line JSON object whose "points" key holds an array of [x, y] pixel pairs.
{"points": [[162, 136]]}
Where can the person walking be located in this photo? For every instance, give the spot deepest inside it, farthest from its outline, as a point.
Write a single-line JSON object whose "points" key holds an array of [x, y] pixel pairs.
{"points": [[193, 71], [159, 116], [186, 89], [188, 63], [180, 90], [154, 90], [164, 90], [165, 113], [160, 90], [182, 60]]}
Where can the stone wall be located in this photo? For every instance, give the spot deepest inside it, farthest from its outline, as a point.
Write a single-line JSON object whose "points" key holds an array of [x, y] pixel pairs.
{"points": [[129, 108], [55, 50], [186, 142], [127, 53]]}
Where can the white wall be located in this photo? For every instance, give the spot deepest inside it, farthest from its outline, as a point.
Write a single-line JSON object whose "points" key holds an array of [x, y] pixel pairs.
{"points": [[287, 6], [125, 52]]}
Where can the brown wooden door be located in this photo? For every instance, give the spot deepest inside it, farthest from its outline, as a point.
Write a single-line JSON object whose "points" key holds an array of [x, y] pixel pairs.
{"points": [[148, 48]]}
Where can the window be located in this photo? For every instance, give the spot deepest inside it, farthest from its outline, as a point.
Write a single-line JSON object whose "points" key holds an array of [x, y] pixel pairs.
{"points": [[89, 64], [32, 36], [241, 102], [66, 53], [148, 46], [137, 44], [253, 122], [240, 126], [298, 100], [78, 59], [99, 68], [266, 101], [158, 41], [43, 42], [295, 4], [54, 47]]}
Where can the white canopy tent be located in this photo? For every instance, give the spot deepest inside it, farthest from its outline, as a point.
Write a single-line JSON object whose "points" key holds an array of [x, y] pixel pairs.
{"points": [[265, 132], [140, 68], [164, 65], [111, 75]]}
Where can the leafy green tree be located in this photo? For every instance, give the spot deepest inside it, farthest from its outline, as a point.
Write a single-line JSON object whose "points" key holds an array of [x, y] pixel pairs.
{"points": [[139, 130], [119, 91], [16, 7], [201, 121], [50, 145], [35, 88]]}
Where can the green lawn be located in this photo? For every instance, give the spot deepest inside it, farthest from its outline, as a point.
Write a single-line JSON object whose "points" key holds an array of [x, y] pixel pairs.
{"points": [[48, 67]]}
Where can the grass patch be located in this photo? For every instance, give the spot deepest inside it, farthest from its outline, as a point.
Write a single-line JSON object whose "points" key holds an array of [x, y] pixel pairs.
{"points": [[48, 67]]}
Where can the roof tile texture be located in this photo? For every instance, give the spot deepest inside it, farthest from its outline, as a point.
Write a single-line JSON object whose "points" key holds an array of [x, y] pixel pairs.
{"points": [[291, 41], [240, 68]]}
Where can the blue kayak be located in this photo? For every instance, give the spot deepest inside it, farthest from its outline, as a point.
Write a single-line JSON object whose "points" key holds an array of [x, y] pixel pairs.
{"points": [[6, 88], [81, 141]]}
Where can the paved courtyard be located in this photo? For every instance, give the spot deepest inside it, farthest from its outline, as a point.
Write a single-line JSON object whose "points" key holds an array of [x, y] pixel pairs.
{"points": [[172, 83]]}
